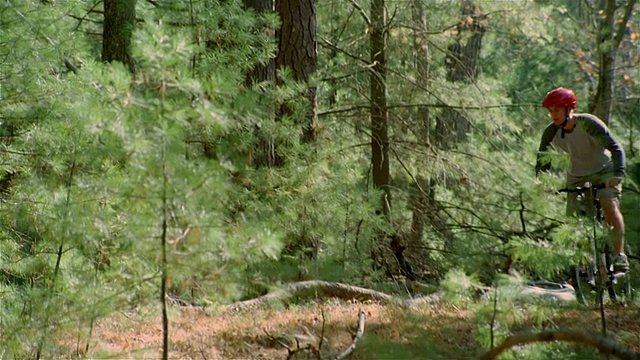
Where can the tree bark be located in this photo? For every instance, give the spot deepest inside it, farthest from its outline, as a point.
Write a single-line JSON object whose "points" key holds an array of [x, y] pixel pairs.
{"points": [[298, 52], [379, 111], [119, 21]]}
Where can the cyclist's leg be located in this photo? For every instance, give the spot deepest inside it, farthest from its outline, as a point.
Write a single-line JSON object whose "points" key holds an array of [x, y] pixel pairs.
{"points": [[610, 201], [614, 218]]}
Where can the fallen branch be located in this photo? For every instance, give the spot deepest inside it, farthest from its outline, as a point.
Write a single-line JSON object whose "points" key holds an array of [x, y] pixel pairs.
{"points": [[603, 344], [324, 289], [318, 289], [297, 343], [346, 352]]}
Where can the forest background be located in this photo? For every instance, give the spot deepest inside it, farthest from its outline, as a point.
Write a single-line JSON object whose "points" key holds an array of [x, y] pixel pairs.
{"points": [[211, 151]]}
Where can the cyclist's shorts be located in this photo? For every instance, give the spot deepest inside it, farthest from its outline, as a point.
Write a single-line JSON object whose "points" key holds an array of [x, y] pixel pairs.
{"points": [[574, 206]]}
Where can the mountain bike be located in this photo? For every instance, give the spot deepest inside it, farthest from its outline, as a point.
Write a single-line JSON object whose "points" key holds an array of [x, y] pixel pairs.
{"points": [[596, 273]]}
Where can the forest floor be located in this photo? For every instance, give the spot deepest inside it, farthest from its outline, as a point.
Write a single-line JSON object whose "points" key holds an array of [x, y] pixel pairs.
{"points": [[424, 331]]}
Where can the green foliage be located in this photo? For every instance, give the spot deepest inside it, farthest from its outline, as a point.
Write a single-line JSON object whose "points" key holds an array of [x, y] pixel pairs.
{"points": [[108, 177], [551, 351], [105, 170]]}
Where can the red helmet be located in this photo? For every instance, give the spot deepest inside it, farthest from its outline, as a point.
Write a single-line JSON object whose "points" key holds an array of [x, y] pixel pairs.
{"points": [[560, 97]]}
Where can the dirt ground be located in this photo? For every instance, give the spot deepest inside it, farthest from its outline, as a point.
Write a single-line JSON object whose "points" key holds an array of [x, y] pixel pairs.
{"points": [[444, 331]]}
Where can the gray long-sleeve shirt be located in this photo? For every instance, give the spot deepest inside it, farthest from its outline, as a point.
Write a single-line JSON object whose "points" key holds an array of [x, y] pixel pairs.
{"points": [[590, 145]]}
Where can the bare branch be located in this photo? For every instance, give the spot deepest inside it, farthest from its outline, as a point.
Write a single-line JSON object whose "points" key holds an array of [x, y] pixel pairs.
{"points": [[340, 50], [80, 20], [346, 352], [324, 322], [437, 105], [426, 32], [362, 12], [623, 24], [70, 65], [522, 210], [603, 344]]}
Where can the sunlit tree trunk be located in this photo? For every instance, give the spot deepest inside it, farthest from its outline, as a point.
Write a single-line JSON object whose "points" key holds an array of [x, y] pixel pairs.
{"points": [[608, 41], [119, 21]]}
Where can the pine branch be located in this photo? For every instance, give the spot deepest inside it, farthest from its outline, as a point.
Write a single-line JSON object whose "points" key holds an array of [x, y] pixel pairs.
{"points": [[60, 252]]}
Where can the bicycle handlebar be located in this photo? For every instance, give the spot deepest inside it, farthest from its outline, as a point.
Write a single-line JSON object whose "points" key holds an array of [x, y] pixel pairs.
{"points": [[583, 189]]}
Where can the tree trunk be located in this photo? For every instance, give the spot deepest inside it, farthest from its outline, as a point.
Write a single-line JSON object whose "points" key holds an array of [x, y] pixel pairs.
{"points": [[462, 66], [264, 150], [601, 106], [298, 52], [378, 112], [608, 41], [423, 58], [419, 201], [262, 71], [119, 21]]}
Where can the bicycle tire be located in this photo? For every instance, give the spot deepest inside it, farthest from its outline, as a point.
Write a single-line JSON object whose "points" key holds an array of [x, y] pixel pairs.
{"points": [[610, 278], [596, 280], [581, 291], [627, 291]]}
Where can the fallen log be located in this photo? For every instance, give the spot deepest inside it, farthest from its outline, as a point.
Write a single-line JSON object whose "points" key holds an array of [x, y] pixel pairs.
{"points": [[324, 289]]}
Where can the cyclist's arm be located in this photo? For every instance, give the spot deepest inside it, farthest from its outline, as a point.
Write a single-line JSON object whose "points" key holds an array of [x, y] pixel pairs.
{"points": [[601, 134], [545, 142]]}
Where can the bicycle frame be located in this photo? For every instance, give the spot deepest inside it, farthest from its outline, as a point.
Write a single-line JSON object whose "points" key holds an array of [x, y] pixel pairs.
{"points": [[602, 272]]}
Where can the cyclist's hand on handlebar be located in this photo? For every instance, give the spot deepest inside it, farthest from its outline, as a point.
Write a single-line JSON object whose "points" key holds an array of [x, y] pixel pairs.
{"points": [[613, 181]]}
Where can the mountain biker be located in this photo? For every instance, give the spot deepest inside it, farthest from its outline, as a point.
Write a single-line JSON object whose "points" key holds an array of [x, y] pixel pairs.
{"points": [[595, 156]]}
